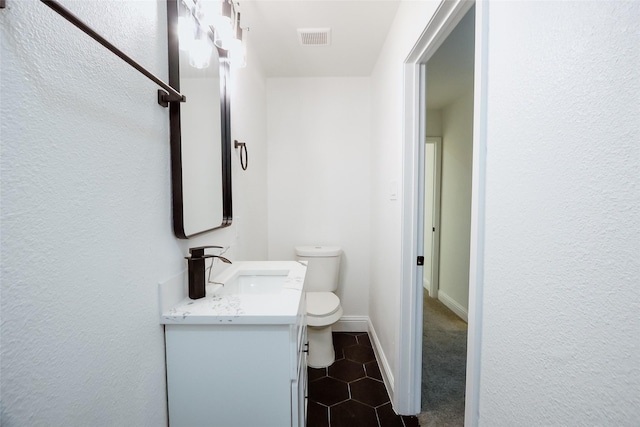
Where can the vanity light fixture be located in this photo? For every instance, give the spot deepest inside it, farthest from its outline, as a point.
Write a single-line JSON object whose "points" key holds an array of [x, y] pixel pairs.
{"points": [[220, 21]]}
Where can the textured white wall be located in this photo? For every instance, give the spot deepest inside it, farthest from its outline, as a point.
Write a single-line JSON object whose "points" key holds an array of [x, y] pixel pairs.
{"points": [[386, 151], [86, 223], [86, 214], [561, 295], [319, 174], [455, 219]]}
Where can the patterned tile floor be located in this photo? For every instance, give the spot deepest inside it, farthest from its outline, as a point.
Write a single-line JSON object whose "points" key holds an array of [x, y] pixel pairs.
{"points": [[350, 393]]}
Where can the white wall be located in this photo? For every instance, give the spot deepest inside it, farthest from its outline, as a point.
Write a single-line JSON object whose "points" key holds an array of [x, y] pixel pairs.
{"points": [[247, 236], [86, 214], [434, 122], [386, 151], [560, 326], [455, 219], [249, 124], [319, 174]]}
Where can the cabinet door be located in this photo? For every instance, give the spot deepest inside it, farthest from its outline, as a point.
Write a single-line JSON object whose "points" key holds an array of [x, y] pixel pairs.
{"points": [[216, 375]]}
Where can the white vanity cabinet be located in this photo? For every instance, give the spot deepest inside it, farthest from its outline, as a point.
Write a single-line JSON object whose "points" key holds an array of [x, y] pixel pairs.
{"points": [[232, 372]]}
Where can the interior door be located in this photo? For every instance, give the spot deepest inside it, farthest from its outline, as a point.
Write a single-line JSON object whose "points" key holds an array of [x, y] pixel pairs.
{"points": [[433, 165]]}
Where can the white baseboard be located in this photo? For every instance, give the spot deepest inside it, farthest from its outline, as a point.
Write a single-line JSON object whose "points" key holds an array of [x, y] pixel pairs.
{"points": [[453, 306], [351, 324], [383, 364], [363, 324]]}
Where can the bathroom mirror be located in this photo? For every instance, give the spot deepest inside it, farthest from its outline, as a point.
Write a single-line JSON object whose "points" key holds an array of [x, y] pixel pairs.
{"points": [[200, 134]]}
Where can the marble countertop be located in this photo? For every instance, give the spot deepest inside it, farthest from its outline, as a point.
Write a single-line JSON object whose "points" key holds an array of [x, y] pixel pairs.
{"points": [[219, 307]]}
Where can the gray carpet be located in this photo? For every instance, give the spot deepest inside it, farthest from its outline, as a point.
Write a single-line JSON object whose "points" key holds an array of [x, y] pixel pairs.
{"points": [[444, 359]]}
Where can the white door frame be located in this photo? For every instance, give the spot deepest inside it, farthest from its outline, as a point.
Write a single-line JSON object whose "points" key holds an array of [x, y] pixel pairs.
{"points": [[409, 367], [435, 239]]}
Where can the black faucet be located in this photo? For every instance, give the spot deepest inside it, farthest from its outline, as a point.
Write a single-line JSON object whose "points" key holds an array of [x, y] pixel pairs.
{"points": [[196, 269]]}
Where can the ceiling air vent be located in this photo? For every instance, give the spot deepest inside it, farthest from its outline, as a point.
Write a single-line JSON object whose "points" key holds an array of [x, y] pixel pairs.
{"points": [[314, 36]]}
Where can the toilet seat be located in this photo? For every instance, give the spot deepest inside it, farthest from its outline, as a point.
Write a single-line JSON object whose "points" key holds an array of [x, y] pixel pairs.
{"points": [[322, 303], [323, 308]]}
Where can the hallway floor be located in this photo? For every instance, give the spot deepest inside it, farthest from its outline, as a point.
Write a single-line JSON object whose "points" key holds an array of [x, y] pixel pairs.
{"points": [[350, 393], [444, 362]]}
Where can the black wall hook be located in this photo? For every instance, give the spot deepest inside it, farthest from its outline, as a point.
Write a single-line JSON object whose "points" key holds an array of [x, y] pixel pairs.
{"points": [[244, 160]]}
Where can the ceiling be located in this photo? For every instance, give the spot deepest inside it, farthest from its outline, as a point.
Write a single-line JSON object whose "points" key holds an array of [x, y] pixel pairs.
{"points": [[450, 69], [358, 31]]}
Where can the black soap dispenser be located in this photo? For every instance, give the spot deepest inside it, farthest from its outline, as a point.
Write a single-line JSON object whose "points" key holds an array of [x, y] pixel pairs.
{"points": [[197, 282]]}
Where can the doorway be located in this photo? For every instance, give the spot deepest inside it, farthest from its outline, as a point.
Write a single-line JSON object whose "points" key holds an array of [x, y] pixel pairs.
{"points": [[408, 378], [449, 114]]}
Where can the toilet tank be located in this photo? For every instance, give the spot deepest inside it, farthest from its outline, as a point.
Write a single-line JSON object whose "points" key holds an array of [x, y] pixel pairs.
{"points": [[323, 266]]}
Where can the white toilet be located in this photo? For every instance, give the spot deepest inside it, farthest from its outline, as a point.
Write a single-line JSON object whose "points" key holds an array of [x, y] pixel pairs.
{"points": [[323, 306]]}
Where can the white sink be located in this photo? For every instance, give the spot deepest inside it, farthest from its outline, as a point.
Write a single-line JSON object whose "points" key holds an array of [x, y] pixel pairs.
{"points": [[247, 282]]}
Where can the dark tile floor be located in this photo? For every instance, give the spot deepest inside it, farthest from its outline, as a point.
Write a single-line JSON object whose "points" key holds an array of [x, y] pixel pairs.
{"points": [[350, 393]]}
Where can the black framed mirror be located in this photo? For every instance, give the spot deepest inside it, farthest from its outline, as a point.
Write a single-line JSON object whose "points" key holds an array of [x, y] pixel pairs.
{"points": [[200, 132]]}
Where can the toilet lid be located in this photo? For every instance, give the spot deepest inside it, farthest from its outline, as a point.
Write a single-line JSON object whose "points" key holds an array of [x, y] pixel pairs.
{"points": [[322, 303]]}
